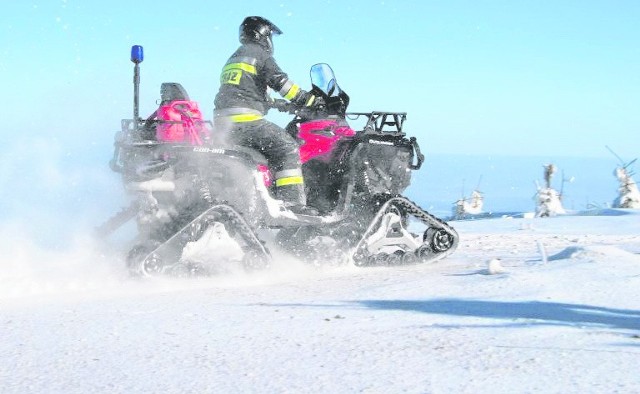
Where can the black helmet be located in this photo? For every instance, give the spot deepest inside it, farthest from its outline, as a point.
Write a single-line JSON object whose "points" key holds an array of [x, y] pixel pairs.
{"points": [[259, 30]]}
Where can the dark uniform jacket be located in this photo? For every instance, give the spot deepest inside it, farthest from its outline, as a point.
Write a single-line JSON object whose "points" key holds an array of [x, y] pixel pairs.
{"points": [[246, 76]]}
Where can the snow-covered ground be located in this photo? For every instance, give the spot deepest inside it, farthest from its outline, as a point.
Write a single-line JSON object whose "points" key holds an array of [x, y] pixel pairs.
{"points": [[545, 305]]}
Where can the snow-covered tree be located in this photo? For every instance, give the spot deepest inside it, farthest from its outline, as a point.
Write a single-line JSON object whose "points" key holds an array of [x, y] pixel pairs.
{"points": [[548, 200], [628, 194]]}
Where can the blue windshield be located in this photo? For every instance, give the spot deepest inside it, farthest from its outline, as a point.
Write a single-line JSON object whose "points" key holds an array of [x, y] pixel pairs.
{"points": [[323, 78]]}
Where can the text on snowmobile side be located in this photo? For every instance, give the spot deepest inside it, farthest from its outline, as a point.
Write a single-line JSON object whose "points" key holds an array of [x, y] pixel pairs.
{"points": [[208, 150], [381, 142]]}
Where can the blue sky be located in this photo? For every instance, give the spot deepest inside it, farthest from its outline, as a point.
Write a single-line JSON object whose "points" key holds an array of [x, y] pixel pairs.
{"points": [[541, 79], [483, 77]]}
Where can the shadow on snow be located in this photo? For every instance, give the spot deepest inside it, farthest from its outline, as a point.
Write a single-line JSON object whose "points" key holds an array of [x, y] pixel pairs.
{"points": [[546, 312]]}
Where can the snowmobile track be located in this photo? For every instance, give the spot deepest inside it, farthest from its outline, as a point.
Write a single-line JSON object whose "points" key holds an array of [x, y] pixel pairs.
{"points": [[440, 239], [165, 258]]}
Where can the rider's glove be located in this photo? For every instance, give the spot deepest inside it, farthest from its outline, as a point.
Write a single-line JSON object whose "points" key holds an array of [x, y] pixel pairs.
{"points": [[280, 105], [315, 103]]}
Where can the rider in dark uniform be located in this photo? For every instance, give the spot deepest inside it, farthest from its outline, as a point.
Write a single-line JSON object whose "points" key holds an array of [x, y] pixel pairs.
{"points": [[242, 102]]}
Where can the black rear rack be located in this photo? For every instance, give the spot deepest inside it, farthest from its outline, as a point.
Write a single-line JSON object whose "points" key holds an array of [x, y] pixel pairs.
{"points": [[381, 122]]}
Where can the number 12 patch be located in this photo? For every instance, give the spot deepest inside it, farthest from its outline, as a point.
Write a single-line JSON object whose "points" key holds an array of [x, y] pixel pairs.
{"points": [[231, 76]]}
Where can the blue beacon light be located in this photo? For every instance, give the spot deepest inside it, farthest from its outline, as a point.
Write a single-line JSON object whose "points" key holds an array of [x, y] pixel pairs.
{"points": [[137, 54]]}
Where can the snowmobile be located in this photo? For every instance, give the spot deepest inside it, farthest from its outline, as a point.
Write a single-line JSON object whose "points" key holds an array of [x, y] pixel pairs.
{"points": [[193, 189]]}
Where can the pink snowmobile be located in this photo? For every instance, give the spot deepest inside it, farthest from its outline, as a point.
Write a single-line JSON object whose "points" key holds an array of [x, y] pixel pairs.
{"points": [[190, 188]]}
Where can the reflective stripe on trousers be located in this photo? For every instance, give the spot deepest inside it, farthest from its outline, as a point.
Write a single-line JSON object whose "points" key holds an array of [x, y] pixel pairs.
{"points": [[289, 177]]}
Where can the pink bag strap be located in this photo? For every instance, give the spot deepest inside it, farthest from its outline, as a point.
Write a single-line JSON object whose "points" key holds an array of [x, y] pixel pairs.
{"points": [[189, 124]]}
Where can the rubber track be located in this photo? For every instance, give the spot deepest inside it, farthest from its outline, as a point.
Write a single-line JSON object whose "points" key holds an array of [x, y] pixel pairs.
{"points": [[217, 213], [361, 255]]}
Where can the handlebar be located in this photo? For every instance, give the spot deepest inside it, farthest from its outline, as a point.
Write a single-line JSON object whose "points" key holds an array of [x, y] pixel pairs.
{"points": [[301, 112], [282, 106]]}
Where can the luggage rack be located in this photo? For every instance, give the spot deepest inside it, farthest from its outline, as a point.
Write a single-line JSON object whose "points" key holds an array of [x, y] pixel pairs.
{"points": [[381, 122], [130, 129]]}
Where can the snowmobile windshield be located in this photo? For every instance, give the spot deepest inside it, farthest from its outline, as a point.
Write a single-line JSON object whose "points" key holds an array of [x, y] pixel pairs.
{"points": [[322, 77]]}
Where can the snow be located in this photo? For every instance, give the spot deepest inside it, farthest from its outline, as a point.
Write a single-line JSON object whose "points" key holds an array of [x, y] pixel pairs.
{"points": [[524, 305]]}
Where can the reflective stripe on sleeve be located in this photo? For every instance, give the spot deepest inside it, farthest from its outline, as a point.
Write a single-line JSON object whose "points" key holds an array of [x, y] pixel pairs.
{"points": [[285, 88], [292, 92]]}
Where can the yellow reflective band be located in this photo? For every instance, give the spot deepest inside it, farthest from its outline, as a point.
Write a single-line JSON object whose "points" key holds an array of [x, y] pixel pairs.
{"points": [[241, 66], [245, 118], [310, 101], [291, 180], [292, 92]]}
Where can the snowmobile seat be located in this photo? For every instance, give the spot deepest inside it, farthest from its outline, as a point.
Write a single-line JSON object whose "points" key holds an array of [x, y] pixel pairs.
{"points": [[259, 160], [173, 91], [255, 155]]}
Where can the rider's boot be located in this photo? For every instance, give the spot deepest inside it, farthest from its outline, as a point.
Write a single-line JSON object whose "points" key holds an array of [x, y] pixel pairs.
{"points": [[295, 199]]}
